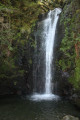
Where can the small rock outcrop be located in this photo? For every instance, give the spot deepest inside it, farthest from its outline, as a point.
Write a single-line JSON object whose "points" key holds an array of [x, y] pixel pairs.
{"points": [[69, 117]]}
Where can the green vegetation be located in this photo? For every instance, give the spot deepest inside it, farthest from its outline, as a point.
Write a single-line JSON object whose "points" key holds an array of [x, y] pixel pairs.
{"points": [[70, 45], [17, 19]]}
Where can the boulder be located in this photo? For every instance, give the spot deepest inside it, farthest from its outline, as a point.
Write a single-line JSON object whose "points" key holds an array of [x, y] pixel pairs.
{"points": [[69, 117]]}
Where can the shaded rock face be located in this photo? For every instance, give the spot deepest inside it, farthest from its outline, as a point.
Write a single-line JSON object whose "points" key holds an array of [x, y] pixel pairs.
{"points": [[69, 117], [62, 86], [56, 72], [76, 100], [65, 88], [39, 56], [19, 83]]}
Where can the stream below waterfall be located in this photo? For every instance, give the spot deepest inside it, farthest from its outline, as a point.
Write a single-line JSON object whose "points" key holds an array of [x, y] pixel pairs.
{"points": [[15, 108]]}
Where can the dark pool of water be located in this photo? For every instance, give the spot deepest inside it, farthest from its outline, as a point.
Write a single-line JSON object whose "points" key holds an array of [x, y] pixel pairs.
{"points": [[13, 108]]}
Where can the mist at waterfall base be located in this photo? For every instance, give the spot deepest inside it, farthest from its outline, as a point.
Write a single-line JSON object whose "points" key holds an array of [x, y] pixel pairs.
{"points": [[47, 48]]}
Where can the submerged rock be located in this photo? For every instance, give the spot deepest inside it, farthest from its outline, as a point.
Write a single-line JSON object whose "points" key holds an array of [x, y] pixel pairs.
{"points": [[69, 117]]}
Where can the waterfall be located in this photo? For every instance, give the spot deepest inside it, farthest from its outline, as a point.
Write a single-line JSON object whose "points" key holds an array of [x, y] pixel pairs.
{"points": [[50, 29], [47, 47]]}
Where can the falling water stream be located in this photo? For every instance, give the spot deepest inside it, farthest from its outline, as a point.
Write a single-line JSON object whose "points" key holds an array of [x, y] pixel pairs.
{"points": [[48, 36], [50, 29]]}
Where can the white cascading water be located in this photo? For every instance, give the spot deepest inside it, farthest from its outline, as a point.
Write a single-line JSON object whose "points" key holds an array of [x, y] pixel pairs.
{"points": [[50, 24], [50, 29]]}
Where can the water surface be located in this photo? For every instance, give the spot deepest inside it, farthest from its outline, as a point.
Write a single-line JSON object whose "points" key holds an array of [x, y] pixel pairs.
{"points": [[13, 108]]}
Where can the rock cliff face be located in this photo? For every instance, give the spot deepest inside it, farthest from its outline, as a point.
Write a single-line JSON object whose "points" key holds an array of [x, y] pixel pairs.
{"points": [[17, 45], [70, 47], [70, 43]]}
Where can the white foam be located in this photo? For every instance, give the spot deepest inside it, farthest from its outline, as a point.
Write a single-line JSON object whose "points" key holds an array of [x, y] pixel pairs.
{"points": [[41, 97]]}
